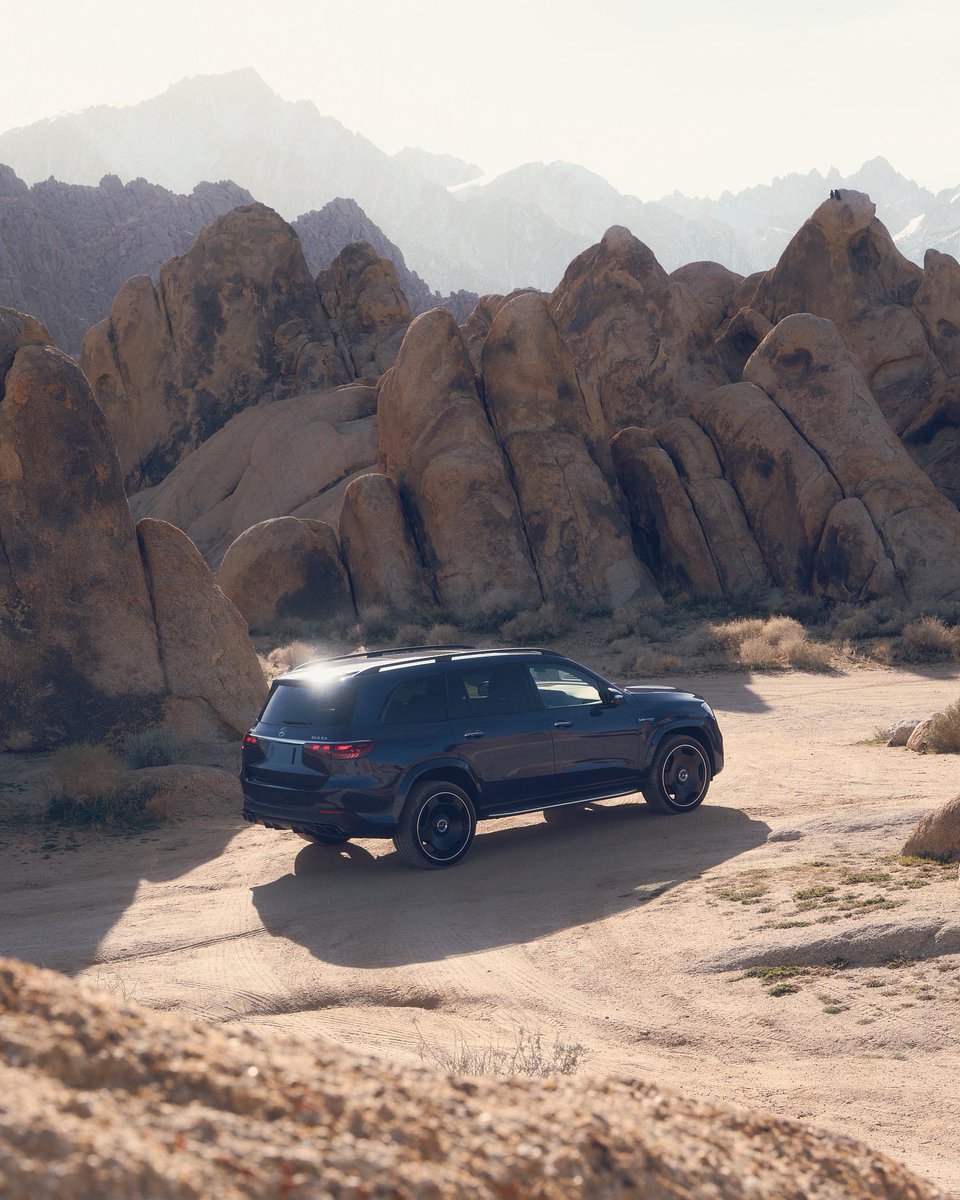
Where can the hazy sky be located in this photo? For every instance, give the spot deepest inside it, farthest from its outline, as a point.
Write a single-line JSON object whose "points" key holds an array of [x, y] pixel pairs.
{"points": [[695, 95]]}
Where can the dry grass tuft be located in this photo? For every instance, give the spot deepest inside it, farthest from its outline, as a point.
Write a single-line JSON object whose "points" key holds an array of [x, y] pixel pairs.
{"points": [[84, 770], [929, 639], [943, 732], [538, 625], [87, 785], [773, 643]]}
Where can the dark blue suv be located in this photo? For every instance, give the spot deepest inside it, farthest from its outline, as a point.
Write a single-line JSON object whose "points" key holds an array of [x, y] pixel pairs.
{"points": [[419, 743]]}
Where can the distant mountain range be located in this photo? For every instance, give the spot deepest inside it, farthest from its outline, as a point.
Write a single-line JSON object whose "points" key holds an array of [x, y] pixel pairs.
{"points": [[457, 228]]}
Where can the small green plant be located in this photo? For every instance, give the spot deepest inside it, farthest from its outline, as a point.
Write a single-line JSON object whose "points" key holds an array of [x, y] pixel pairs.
{"points": [[782, 989], [528, 1056], [152, 748]]}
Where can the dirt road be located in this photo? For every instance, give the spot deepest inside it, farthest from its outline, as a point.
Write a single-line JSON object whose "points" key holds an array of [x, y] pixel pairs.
{"points": [[619, 930]]}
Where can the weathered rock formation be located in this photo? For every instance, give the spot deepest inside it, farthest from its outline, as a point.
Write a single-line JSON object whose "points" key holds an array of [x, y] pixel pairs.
{"points": [[287, 570], [844, 266], [235, 320], [366, 307], [579, 541], [205, 650], [384, 563], [83, 650], [83, 1076], [641, 339], [437, 445], [294, 457]]}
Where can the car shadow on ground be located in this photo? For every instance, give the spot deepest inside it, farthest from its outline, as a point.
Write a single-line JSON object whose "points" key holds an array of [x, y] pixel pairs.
{"points": [[361, 906]]}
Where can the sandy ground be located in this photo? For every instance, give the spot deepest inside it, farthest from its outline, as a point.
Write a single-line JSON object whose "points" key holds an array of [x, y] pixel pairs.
{"points": [[618, 930]]}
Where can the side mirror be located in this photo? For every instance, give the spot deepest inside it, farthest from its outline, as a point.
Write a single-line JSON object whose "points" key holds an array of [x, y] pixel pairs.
{"points": [[614, 697]]}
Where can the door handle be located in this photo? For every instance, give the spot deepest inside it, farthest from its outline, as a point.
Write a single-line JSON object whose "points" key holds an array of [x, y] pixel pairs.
{"points": [[562, 724], [473, 734]]}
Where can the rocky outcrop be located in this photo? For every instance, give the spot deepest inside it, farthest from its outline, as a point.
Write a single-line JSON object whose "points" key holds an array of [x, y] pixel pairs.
{"points": [[843, 265], [578, 539], [713, 285], [287, 570], [805, 368], [65, 250], [937, 834], [235, 320], [933, 439], [640, 339], [205, 652], [383, 561], [84, 1074], [366, 307], [291, 458], [937, 304], [80, 651], [437, 445]]}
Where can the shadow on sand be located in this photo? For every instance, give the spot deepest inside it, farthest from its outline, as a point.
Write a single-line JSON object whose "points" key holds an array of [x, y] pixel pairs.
{"points": [[519, 883]]}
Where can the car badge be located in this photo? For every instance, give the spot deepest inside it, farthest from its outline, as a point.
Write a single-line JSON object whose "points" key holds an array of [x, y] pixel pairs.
{"points": [[283, 732]]}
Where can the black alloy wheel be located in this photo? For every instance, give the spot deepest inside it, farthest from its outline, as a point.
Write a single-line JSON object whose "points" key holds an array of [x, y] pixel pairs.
{"points": [[436, 826], [679, 777]]}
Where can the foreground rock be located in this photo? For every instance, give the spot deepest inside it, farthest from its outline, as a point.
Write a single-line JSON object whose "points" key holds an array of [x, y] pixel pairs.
{"points": [[937, 834], [104, 1099]]}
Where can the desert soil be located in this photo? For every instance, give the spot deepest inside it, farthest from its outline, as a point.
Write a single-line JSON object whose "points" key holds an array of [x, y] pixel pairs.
{"points": [[619, 930]]}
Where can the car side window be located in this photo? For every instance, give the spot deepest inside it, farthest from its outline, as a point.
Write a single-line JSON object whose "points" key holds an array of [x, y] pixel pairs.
{"points": [[494, 691], [564, 687], [416, 701]]}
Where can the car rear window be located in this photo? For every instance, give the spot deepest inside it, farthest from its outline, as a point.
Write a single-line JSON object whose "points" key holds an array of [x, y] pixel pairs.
{"points": [[416, 701], [324, 708]]}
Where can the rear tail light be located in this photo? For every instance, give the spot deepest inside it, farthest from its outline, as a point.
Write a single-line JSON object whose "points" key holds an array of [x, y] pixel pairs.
{"points": [[252, 749], [337, 750]]}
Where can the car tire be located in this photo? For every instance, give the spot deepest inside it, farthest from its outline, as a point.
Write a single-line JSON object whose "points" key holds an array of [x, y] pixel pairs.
{"points": [[436, 827], [679, 777], [319, 840]]}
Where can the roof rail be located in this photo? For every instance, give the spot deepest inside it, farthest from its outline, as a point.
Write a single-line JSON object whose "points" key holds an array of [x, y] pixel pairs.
{"points": [[359, 655]]}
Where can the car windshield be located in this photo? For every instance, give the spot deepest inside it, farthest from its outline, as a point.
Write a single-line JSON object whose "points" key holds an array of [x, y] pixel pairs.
{"points": [[325, 708]]}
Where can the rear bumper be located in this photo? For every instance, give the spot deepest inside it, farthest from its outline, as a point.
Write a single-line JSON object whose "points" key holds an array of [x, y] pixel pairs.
{"points": [[323, 814]]}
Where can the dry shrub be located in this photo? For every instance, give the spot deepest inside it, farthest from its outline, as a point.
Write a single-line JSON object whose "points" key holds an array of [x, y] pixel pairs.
{"points": [[541, 624], [377, 623], [443, 635], [489, 611], [928, 639], [87, 785], [411, 634], [943, 732], [285, 658], [152, 748], [650, 661], [634, 619], [83, 770], [770, 644]]}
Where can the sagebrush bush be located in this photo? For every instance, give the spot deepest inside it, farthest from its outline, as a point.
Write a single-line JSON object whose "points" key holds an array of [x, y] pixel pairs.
{"points": [[928, 639], [285, 658], [378, 623], [539, 624], [776, 642], [411, 634], [152, 748], [87, 785], [443, 635], [943, 732]]}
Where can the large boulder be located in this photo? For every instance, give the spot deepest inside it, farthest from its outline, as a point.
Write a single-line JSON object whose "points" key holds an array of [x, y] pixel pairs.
{"points": [[78, 645], [641, 340], [804, 367], [439, 448], [234, 320], [385, 567], [937, 303], [937, 834], [286, 570], [713, 285], [933, 439], [580, 544], [368, 311], [84, 1073], [206, 655], [291, 458], [843, 265]]}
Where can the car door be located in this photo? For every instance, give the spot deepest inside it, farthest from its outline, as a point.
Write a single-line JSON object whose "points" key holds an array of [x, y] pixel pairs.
{"points": [[596, 743], [503, 732]]}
